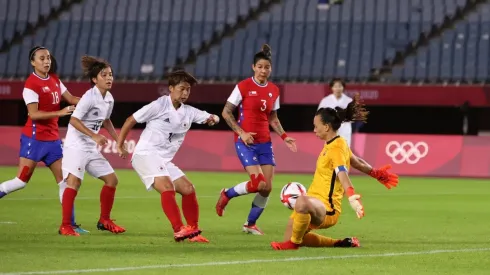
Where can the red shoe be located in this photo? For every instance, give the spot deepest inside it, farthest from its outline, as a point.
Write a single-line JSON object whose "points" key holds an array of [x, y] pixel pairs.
{"points": [[348, 242], [110, 226], [186, 232], [198, 239], [288, 245], [222, 202], [252, 229], [67, 230]]}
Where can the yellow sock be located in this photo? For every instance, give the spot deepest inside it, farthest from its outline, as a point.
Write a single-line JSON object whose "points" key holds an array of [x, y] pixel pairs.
{"points": [[300, 226], [315, 240]]}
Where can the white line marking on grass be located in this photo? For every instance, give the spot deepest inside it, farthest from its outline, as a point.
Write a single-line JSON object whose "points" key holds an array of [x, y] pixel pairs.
{"points": [[7, 222], [294, 259], [92, 198]]}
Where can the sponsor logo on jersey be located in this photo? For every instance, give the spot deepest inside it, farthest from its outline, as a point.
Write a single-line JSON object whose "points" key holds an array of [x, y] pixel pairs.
{"points": [[167, 120], [252, 93]]}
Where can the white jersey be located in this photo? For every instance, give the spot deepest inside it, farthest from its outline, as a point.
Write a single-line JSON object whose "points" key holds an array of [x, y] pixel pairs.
{"points": [[331, 101], [91, 110], [166, 127]]}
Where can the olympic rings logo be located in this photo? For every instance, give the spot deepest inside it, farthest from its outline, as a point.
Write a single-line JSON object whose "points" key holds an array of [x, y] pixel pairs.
{"points": [[406, 151]]}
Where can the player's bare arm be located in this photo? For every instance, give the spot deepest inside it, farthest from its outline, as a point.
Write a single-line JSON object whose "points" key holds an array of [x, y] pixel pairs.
{"points": [[360, 164], [228, 116], [107, 124], [275, 123], [71, 99], [77, 124], [35, 114], [128, 125], [382, 174]]}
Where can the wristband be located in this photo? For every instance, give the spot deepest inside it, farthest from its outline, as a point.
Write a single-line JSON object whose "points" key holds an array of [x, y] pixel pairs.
{"points": [[350, 191], [284, 136]]}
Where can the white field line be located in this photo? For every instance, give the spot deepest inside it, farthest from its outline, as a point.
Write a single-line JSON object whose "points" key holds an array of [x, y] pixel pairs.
{"points": [[255, 261]]}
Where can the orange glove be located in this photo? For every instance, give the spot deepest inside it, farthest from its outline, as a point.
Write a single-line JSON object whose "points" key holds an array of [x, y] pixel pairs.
{"points": [[384, 177]]}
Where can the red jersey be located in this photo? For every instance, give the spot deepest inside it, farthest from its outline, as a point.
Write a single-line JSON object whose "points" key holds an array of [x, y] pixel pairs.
{"points": [[46, 92], [256, 102]]}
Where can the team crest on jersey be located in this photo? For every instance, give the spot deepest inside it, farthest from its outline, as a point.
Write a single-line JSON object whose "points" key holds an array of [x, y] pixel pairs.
{"points": [[46, 89], [252, 93]]}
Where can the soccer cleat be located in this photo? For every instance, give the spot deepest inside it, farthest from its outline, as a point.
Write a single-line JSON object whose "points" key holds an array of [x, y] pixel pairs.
{"points": [[186, 232], [198, 239], [109, 225], [348, 242], [287, 245], [67, 230], [79, 229], [2, 194], [252, 229], [222, 202]]}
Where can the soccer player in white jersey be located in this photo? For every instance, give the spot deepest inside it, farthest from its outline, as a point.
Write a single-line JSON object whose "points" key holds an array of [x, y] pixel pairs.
{"points": [[80, 148], [338, 99], [168, 120]]}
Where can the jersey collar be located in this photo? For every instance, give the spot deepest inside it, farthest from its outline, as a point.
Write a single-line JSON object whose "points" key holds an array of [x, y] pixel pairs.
{"points": [[258, 84], [332, 140], [42, 78]]}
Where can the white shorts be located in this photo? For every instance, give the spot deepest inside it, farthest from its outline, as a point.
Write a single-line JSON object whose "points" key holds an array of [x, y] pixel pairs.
{"points": [[149, 167], [75, 162]]}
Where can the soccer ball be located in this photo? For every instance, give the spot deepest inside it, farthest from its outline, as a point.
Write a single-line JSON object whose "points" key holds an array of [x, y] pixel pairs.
{"points": [[290, 192]]}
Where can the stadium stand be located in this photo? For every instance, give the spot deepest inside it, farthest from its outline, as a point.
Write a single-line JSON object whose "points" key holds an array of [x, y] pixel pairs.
{"points": [[142, 38]]}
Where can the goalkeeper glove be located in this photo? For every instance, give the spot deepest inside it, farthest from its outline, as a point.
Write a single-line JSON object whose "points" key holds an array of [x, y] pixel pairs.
{"points": [[355, 202], [384, 177]]}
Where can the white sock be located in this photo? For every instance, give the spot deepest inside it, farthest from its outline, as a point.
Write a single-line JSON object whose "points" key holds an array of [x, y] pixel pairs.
{"points": [[62, 186], [241, 188], [12, 185], [260, 201]]}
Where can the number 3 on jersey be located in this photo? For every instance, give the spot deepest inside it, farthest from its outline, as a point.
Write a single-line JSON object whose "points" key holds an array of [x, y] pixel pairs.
{"points": [[56, 97], [264, 105]]}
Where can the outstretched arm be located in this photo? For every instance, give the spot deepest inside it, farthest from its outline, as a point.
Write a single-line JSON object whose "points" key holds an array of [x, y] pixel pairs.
{"points": [[228, 116], [71, 99], [382, 175]]}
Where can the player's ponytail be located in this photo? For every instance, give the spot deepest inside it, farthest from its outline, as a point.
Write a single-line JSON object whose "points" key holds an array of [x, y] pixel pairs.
{"points": [[92, 66], [265, 53], [355, 111], [54, 65]]}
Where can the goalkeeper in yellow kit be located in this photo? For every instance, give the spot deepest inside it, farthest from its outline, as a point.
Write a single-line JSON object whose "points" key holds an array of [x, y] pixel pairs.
{"points": [[321, 206]]}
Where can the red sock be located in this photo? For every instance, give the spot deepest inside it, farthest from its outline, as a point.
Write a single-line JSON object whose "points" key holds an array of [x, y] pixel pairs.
{"points": [[106, 201], [171, 209], [190, 208], [67, 205]]}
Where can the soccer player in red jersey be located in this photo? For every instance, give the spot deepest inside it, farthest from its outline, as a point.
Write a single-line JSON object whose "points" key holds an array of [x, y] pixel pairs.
{"points": [[40, 139], [258, 102], [81, 154]]}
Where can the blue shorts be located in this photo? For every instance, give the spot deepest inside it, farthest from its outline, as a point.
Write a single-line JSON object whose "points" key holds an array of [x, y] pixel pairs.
{"points": [[36, 150], [255, 154]]}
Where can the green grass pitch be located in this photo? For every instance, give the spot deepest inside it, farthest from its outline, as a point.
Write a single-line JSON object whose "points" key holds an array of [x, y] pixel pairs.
{"points": [[424, 226]]}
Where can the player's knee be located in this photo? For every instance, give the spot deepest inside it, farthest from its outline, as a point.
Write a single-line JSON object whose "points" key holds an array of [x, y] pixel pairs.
{"points": [[302, 205], [256, 182], [186, 188], [265, 190], [163, 184]]}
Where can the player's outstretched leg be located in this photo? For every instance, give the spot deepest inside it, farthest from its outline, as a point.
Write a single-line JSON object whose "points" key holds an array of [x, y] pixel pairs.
{"points": [[107, 195], [26, 168], [77, 227], [243, 188], [165, 187], [190, 206], [315, 240]]}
